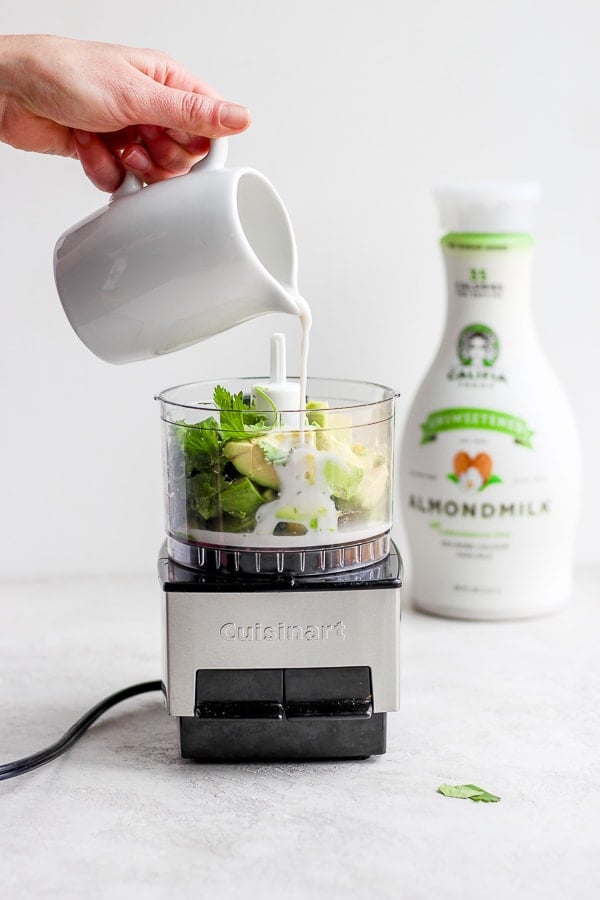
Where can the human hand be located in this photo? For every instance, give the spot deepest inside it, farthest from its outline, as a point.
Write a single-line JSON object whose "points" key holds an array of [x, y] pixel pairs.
{"points": [[113, 107]]}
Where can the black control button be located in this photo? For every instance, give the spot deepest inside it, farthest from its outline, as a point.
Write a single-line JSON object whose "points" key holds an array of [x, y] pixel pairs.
{"points": [[239, 694], [332, 691]]}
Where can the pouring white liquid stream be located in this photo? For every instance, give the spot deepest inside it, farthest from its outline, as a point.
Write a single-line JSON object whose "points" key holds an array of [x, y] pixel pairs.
{"points": [[305, 324], [283, 394]]}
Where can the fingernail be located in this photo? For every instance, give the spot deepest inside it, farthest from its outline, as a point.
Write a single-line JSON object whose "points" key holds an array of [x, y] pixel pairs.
{"points": [[136, 159], [82, 137], [233, 116], [182, 137], [149, 131]]}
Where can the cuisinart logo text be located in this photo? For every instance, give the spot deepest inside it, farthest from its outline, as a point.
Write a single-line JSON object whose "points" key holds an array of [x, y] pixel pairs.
{"points": [[231, 631]]}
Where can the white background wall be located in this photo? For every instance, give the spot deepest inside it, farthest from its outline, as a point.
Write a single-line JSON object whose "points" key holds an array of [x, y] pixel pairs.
{"points": [[358, 109]]}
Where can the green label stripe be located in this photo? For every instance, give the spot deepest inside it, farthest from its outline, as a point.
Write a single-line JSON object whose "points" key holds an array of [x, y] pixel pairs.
{"points": [[485, 419], [460, 240]]}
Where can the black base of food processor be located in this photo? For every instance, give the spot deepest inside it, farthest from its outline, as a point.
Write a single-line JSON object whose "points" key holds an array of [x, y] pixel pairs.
{"points": [[283, 713], [287, 739], [281, 667]]}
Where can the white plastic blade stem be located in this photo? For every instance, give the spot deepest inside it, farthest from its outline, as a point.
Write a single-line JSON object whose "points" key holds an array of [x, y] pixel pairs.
{"points": [[278, 361]]}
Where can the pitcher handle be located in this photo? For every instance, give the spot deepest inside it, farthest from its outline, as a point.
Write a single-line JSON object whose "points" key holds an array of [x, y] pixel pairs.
{"points": [[214, 159], [131, 184]]}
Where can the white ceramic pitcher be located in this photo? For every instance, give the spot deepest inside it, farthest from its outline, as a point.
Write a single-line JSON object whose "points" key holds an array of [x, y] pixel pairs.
{"points": [[164, 266]]}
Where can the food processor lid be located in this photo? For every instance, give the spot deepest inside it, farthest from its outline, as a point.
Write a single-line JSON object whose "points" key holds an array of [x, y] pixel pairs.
{"points": [[487, 207]]}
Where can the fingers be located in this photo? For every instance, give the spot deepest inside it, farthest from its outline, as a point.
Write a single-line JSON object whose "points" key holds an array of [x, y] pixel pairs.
{"points": [[116, 140], [148, 151], [184, 114], [184, 123], [160, 156], [189, 112], [175, 152], [99, 164]]}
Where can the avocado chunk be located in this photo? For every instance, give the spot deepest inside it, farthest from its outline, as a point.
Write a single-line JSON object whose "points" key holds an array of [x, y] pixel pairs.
{"points": [[241, 499], [249, 459], [372, 486], [335, 433], [290, 529], [343, 478], [316, 412]]}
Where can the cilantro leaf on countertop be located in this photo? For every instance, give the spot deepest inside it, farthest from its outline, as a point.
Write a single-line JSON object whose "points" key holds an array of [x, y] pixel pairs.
{"points": [[467, 792]]}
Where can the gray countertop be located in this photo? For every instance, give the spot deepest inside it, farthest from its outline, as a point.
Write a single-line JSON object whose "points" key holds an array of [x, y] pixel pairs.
{"points": [[513, 707]]}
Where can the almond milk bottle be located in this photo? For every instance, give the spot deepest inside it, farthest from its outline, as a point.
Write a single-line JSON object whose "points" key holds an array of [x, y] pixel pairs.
{"points": [[490, 465]]}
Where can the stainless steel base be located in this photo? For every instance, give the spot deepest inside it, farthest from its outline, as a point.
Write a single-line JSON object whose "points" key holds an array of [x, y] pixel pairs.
{"points": [[256, 667]]}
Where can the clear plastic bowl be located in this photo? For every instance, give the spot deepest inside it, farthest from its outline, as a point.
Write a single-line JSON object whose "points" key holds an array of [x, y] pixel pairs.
{"points": [[250, 491]]}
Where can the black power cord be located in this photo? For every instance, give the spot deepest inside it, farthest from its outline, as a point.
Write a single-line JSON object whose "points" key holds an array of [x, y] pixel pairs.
{"points": [[20, 766]]}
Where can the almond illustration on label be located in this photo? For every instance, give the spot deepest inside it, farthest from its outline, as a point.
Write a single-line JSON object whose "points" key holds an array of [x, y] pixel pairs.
{"points": [[473, 473]]}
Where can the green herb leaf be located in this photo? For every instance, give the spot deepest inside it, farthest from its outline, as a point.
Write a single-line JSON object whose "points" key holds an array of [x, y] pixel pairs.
{"points": [[272, 452], [238, 418], [200, 438], [467, 792], [232, 409], [204, 494], [199, 444]]}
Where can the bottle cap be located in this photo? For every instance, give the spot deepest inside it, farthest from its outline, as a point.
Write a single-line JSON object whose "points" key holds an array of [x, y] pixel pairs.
{"points": [[487, 207]]}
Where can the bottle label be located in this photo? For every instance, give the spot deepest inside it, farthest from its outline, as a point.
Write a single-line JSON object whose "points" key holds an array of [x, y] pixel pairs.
{"points": [[490, 467], [482, 510], [481, 419]]}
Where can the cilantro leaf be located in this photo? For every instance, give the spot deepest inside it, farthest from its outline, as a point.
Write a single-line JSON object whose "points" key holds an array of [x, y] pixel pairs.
{"points": [[232, 407], [467, 792], [200, 438], [203, 494], [238, 418], [199, 445], [272, 452]]}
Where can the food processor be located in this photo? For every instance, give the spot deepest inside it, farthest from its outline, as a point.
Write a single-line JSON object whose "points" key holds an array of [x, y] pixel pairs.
{"points": [[280, 582]]}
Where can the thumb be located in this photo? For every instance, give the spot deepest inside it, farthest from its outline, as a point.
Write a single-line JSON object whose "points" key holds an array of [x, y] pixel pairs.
{"points": [[190, 112]]}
